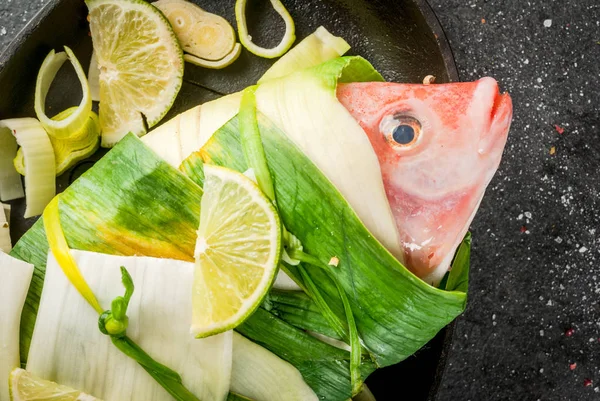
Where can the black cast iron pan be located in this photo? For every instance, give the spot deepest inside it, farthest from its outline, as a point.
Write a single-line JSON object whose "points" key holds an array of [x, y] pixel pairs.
{"points": [[402, 38]]}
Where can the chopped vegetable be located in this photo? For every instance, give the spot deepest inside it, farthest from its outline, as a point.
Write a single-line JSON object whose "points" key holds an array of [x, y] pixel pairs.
{"points": [[237, 251], [208, 38], [66, 340], [5, 242], [70, 124], [286, 42], [61, 252], [16, 276], [316, 48], [149, 208], [10, 181], [40, 185], [26, 387], [262, 375], [141, 66], [215, 65], [69, 151]]}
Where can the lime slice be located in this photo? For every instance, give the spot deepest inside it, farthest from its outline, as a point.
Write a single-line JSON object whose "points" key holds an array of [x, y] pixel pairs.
{"points": [[237, 252], [23, 386], [140, 62]]}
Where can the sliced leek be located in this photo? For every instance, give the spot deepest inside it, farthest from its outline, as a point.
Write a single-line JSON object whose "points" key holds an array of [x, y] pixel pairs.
{"points": [[67, 152], [72, 124], [5, 243], [16, 276], [10, 181], [286, 42], [66, 340], [215, 65], [40, 169], [61, 252], [316, 48], [259, 374], [200, 33]]}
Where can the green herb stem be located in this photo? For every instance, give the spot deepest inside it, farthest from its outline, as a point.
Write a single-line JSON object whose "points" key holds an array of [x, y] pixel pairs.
{"points": [[114, 323], [355, 346], [335, 322], [252, 143]]}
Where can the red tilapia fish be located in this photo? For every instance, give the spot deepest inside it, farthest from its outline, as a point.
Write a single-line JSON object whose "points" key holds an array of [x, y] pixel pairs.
{"points": [[438, 148]]}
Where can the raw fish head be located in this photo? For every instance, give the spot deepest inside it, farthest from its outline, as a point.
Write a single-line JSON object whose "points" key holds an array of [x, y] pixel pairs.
{"points": [[438, 147]]}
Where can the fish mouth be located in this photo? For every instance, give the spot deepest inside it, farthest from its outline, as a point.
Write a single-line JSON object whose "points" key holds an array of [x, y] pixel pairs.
{"points": [[497, 117]]}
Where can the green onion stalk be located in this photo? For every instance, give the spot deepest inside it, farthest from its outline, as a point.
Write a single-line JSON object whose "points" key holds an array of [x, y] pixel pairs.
{"points": [[114, 323]]}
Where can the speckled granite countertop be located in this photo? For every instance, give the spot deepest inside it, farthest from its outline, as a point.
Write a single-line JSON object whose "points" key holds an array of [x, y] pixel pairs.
{"points": [[532, 327]]}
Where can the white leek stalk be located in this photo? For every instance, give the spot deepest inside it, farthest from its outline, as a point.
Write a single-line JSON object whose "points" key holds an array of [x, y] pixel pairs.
{"points": [[186, 133], [16, 276], [67, 343], [315, 49], [286, 42], [75, 121], [40, 168], [5, 243], [10, 180], [261, 375]]}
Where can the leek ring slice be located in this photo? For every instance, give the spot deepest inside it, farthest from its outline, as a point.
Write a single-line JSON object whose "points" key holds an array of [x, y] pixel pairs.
{"points": [[67, 152], [40, 182], [215, 65], [64, 128], [286, 42]]}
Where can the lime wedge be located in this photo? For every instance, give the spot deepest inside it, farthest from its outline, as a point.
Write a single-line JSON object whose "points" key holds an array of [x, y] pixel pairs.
{"points": [[237, 252], [23, 386], [140, 62]]}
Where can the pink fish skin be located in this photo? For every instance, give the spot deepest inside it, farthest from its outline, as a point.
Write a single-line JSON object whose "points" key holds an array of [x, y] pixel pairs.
{"points": [[438, 148]]}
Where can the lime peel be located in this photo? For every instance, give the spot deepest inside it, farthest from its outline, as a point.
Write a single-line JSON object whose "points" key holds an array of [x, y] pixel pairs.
{"points": [[286, 42]]}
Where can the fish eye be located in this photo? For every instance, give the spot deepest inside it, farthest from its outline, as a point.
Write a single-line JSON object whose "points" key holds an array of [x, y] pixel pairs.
{"points": [[401, 131]]}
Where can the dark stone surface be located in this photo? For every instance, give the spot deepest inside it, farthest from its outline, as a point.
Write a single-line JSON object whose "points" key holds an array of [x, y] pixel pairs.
{"points": [[529, 287], [536, 253]]}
